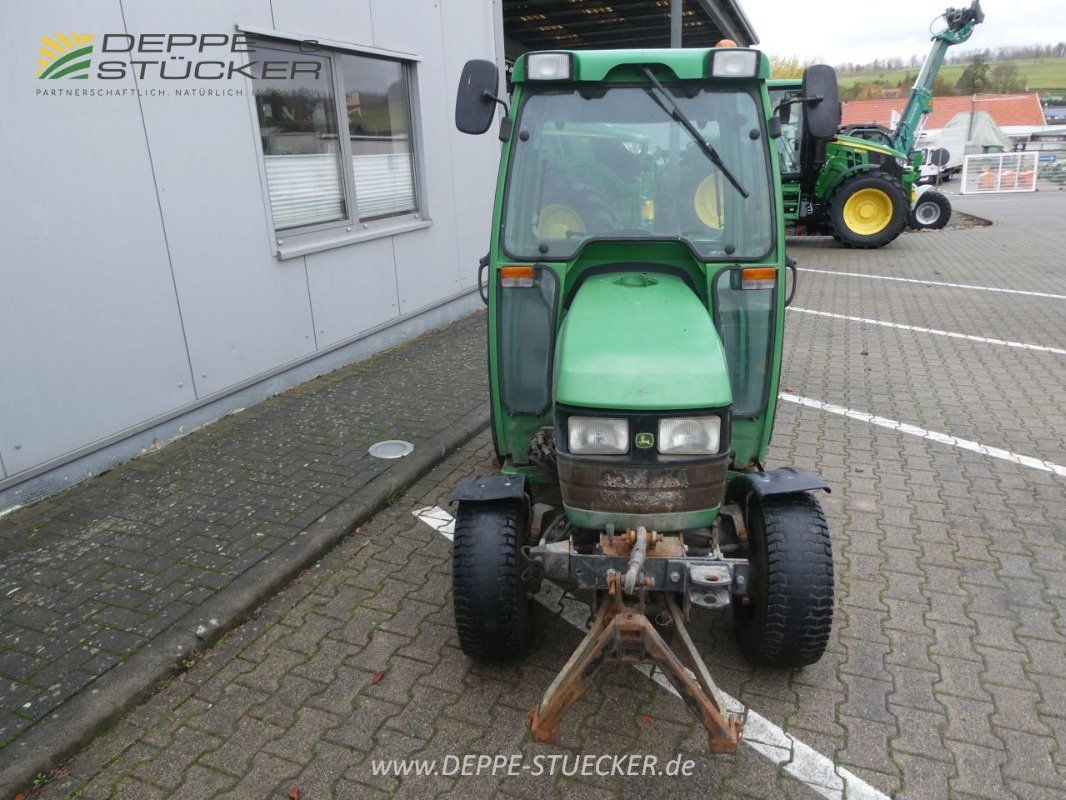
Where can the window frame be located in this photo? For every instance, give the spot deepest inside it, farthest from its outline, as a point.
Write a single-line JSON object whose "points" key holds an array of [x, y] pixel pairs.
{"points": [[299, 241]]}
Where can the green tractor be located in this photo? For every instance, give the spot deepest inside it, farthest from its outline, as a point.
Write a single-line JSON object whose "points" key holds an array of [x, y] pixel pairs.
{"points": [[860, 184], [636, 289]]}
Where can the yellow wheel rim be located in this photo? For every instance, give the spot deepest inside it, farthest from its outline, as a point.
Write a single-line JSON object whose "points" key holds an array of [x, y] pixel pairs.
{"points": [[868, 211], [706, 203], [556, 221]]}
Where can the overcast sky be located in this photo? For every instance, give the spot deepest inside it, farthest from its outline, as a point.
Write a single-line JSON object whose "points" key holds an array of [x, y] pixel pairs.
{"points": [[835, 31]]}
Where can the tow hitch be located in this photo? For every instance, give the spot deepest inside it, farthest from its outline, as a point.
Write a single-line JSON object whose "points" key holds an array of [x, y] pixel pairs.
{"points": [[622, 632]]}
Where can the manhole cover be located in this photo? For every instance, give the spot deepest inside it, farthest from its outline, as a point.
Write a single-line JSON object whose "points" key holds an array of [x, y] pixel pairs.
{"points": [[391, 448]]}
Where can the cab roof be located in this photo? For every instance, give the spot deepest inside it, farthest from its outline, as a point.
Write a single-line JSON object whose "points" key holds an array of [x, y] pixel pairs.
{"points": [[594, 65]]}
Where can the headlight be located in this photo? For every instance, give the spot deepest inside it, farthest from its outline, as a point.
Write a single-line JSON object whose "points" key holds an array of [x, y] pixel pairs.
{"points": [[595, 436], [549, 66], [689, 436], [734, 63]]}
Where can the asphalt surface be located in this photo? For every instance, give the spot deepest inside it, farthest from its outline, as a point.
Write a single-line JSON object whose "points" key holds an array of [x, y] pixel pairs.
{"points": [[946, 672]]}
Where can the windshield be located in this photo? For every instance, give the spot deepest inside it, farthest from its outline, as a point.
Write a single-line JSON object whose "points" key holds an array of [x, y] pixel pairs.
{"points": [[611, 162]]}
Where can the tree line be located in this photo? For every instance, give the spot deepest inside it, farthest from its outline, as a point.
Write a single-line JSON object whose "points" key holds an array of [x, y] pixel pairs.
{"points": [[978, 77], [986, 72], [1015, 52]]}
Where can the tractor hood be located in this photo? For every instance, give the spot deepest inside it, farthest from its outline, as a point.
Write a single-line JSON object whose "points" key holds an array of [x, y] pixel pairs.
{"points": [[639, 341]]}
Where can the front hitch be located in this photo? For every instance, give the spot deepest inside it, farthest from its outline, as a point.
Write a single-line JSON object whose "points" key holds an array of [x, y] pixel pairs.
{"points": [[623, 634]]}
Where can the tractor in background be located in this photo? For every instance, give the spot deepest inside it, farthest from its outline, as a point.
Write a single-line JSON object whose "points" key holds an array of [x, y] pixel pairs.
{"points": [[859, 184]]}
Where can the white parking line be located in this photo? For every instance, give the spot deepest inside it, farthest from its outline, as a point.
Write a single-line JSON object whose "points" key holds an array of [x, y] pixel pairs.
{"points": [[918, 329], [438, 519], [797, 759], [935, 283], [914, 430]]}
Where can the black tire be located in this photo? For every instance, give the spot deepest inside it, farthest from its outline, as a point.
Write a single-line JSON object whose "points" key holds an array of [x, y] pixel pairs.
{"points": [[789, 616], [490, 600], [932, 211], [876, 181]]}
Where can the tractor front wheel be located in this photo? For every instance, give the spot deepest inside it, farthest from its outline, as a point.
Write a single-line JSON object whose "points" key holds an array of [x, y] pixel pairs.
{"points": [[933, 210], [787, 615], [490, 598], [868, 210]]}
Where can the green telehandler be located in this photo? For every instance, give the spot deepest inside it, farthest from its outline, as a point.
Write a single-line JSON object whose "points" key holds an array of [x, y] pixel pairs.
{"points": [[860, 184], [636, 289]]}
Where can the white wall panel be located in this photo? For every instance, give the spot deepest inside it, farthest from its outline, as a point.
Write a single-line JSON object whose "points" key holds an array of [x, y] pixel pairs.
{"points": [[427, 261], [469, 32], [245, 311], [126, 259], [352, 289], [90, 337], [342, 20]]}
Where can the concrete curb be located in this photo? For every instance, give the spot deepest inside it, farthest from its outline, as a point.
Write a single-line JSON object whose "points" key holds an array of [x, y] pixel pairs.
{"points": [[102, 702]]}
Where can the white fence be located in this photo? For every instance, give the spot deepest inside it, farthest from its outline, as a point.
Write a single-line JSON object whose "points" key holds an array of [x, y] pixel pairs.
{"points": [[990, 173]]}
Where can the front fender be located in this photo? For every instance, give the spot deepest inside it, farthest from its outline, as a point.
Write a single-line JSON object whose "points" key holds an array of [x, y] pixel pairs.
{"points": [[838, 178], [482, 488], [785, 480]]}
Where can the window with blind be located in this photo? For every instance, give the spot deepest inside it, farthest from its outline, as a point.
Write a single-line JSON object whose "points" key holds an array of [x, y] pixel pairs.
{"points": [[337, 139]]}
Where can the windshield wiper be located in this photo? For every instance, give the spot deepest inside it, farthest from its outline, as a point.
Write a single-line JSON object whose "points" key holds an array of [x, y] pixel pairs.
{"points": [[675, 111]]}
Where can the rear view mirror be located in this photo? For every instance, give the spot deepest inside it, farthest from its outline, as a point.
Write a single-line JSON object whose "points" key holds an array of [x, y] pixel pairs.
{"points": [[784, 111], [821, 101], [475, 103]]}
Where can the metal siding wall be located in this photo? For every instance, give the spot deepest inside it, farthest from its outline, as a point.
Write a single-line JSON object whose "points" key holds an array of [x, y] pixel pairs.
{"points": [[427, 261], [353, 289], [89, 300], [342, 20], [471, 33], [92, 340], [245, 311]]}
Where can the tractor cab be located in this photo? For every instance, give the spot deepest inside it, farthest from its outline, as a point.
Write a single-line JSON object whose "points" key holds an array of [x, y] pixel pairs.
{"points": [[636, 287]]}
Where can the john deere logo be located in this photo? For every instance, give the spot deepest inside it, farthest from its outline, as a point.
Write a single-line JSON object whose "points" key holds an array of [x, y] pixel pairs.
{"points": [[644, 440], [65, 55]]}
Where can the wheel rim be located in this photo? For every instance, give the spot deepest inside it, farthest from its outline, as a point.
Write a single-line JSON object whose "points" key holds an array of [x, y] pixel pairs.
{"points": [[556, 221], [927, 213], [706, 204], [868, 211]]}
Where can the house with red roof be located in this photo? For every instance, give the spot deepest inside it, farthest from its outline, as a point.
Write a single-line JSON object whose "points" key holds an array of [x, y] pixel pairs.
{"points": [[1017, 114]]}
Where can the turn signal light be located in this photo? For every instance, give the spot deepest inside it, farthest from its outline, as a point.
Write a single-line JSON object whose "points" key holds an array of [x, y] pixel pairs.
{"points": [[758, 277], [516, 277]]}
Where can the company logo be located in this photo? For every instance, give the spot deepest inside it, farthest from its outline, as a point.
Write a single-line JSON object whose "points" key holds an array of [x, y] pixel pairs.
{"points": [[175, 64], [65, 55], [644, 440]]}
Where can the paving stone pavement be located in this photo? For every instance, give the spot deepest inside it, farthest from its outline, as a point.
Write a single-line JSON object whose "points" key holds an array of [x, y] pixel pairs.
{"points": [[946, 672], [92, 574]]}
